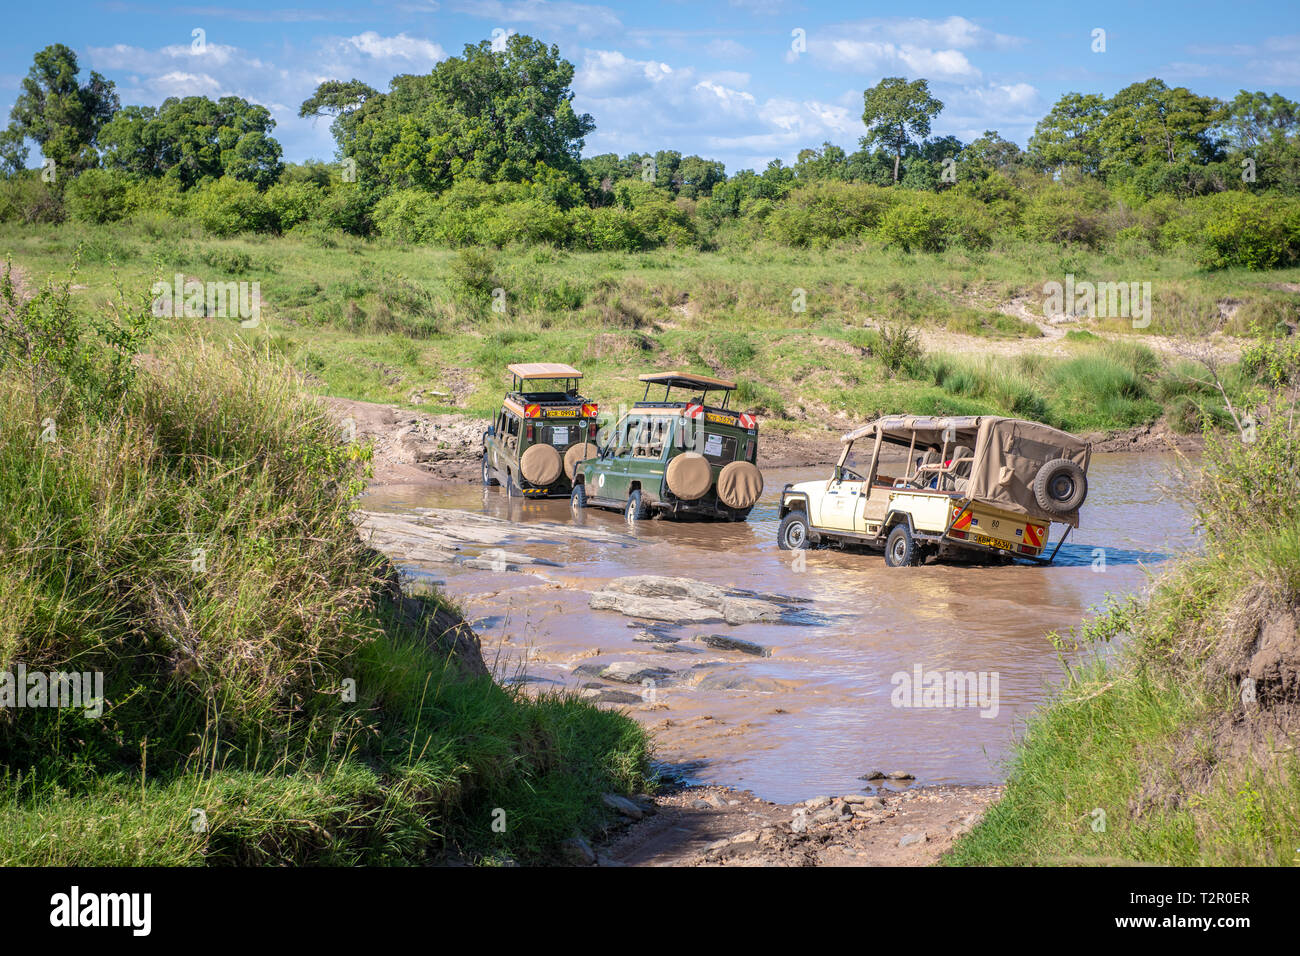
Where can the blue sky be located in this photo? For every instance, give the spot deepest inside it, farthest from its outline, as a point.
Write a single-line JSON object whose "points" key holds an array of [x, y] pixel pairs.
{"points": [[716, 77]]}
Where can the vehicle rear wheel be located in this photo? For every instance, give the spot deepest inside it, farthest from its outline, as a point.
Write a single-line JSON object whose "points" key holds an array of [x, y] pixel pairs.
{"points": [[792, 533], [1060, 486], [578, 497], [488, 480], [636, 509], [900, 548]]}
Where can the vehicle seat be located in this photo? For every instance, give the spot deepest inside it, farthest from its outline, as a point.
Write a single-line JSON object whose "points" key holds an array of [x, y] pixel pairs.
{"points": [[957, 477], [926, 475]]}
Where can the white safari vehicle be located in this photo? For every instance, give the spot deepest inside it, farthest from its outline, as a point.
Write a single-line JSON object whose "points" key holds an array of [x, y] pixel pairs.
{"points": [[961, 484]]}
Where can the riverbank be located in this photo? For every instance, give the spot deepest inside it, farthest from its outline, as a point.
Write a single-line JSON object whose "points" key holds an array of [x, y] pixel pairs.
{"points": [[720, 826]]}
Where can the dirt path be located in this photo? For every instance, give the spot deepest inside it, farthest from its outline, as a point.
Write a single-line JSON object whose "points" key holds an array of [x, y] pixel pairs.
{"points": [[717, 826]]}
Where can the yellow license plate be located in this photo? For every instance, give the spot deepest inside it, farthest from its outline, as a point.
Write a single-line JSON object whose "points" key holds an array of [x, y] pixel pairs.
{"points": [[993, 542]]}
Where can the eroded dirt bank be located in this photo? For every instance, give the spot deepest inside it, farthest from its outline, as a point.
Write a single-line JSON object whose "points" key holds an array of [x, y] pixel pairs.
{"points": [[719, 826], [413, 447]]}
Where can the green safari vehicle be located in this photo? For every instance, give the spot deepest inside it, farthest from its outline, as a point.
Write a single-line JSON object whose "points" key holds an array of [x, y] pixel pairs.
{"points": [[675, 455], [542, 431]]}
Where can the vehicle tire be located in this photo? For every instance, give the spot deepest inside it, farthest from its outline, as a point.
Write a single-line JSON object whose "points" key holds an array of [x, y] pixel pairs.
{"points": [[740, 484], [540, 465], [689, 476], [576, 455], [1060, 486], [578, 497], [792, 532], [488, 480], [636, 509], [900, 548]]}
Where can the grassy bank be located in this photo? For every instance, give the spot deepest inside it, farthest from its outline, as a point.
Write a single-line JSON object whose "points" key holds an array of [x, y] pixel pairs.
{"points": [[1181, 747], [180, 523], [382, 321]]}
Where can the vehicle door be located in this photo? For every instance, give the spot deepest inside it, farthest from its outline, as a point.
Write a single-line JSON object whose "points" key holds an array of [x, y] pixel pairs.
{"points": [[612, 481], [840, 504]]}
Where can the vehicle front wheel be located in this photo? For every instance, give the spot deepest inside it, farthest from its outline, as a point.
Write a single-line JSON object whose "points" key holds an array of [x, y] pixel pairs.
{"points": [[636, 509], [578, 497], [792, 533], [900, 548], [488, 480]]}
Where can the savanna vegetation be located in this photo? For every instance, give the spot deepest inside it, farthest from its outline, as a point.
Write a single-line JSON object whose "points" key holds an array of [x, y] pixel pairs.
{"points": [[181, 525]]}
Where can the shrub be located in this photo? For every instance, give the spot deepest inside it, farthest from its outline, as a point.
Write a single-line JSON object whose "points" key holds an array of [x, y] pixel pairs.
{"points": [[913, 225], [1064, 214], [98, 196], [825, 212], [1251, 231], [227, 206], [293, 202], [25, 199]]}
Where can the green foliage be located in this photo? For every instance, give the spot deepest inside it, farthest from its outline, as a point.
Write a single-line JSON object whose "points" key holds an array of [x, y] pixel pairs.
{"points": [[225, 207], [63, 117], [914, 226], [1250, 231], [98, 195]]}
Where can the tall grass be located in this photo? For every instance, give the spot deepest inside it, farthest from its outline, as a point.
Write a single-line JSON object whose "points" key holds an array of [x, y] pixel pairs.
{"points": [[187, 533], [1179, 749]]}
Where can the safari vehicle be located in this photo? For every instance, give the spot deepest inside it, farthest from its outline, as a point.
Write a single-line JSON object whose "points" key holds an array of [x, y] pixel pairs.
{"points": [[544, 428], [970, 484], [673, 455]]}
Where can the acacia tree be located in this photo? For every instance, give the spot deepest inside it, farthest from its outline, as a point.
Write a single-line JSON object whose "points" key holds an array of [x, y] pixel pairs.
{"points": [[896, 112], [495, 115], [61, 115]]}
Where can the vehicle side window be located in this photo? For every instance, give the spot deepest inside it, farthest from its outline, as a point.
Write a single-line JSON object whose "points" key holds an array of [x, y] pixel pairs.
{"points": [[649, 442], [628, 430]]}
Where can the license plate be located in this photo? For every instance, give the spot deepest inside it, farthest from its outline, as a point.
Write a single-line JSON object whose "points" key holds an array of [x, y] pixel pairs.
{"points": [[992, 542]]}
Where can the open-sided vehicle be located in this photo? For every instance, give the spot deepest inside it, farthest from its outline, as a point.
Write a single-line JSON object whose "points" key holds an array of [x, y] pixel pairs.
{"points": [[543, 430], [676, 454], [973, 483]]}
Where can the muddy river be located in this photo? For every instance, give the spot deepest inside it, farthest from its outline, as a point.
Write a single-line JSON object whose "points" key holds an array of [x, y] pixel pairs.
{"points": [[837, 695]]}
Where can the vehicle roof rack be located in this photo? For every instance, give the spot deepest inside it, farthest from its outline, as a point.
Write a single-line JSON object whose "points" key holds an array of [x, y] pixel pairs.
{"points": [[687, 380], [543, 370]]}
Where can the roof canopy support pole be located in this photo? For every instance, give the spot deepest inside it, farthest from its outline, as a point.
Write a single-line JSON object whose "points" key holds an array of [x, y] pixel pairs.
{"points": [[1068, 529]]}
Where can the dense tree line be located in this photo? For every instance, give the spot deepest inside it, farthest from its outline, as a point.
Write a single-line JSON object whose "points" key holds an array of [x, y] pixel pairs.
{"points": [[486, 148]]}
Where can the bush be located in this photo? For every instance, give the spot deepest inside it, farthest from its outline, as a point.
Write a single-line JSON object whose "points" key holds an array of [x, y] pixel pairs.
{"points": [[1064, 214], [292, 203], [1251, 231], [826, 212], [25, 199], [98, 196], [913, 225], [227, 206]]}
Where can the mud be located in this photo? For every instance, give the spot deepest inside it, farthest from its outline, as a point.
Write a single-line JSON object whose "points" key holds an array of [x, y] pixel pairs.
{"points": [[806, 685]]}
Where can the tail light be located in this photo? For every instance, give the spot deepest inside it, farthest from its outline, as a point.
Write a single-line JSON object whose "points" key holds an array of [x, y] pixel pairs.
{"points": [[958, 534], [1026, 549], [591, 430], [749, 451], [530, 431]]}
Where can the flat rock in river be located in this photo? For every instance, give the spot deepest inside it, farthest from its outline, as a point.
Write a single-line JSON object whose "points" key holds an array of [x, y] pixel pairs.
{"points": [[684, 600]]}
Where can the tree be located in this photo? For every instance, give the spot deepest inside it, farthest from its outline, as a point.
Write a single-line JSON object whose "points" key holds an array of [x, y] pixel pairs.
{"points": [[895, 113], [828, 162], [1067, 135], [490, 115], [1252, 119], [193, 139], [1148, 122], [63, 117]]}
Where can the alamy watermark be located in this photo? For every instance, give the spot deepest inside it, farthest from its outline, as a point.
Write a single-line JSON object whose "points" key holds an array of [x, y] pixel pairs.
{"points": [[946, 689], [77, 689], [193, 299], [1115, 300]]}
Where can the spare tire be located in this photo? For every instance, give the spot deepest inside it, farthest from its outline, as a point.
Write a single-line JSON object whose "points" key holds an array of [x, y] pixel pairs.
{"points": [[1060, 486], [689, 476], [576, 455], [540, 464], [739, 485]]}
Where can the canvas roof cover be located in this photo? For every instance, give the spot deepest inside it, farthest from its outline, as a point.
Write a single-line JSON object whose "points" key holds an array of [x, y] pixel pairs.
{"points": [[543, 370], [1008, 453], [686, 380]]}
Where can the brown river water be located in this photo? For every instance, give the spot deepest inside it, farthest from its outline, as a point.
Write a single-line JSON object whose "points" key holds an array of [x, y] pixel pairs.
{"points": [[829, 704]]}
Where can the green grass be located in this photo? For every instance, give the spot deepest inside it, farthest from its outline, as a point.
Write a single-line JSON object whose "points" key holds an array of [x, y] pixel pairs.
{"points": [[276, 683], [1152, 754], [376, 320]]}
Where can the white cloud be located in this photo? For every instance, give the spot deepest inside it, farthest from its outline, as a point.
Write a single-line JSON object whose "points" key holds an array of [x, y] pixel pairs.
{"points": [[400, 47], [586, 20]]}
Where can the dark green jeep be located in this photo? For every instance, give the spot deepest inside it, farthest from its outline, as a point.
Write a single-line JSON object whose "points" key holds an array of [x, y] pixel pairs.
{"points": [[675, 455], [543, 430]]}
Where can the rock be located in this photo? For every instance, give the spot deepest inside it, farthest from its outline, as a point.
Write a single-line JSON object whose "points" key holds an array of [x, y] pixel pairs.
{"points": [[800, 822], [577, 851], [852, 798], [652, 609], [816, 803], [684, 600], [653, 637], [900, 775], [758, 685], [724, 643], [910, 839], [630, 672], [714, 801], [623, 805], [831, 814], [621, 697], [873, 775]]}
